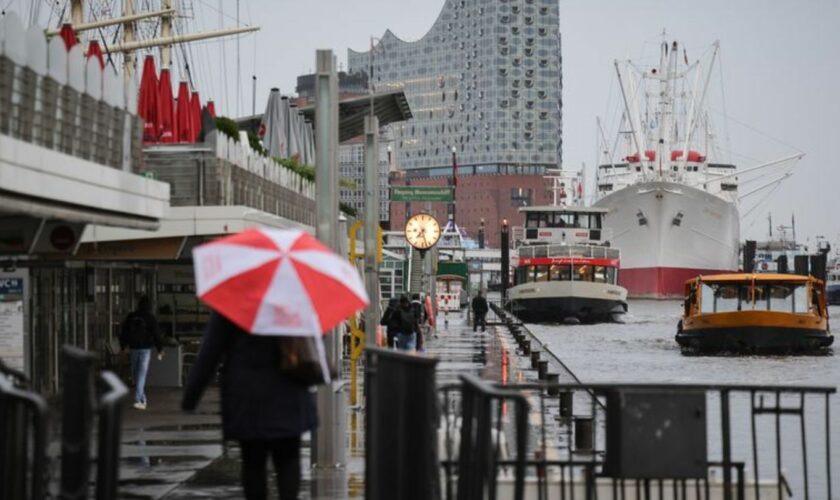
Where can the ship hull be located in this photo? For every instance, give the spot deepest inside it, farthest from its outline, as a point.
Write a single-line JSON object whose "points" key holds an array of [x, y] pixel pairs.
{"points": [[669, 233], [554, 302], [753, 339]]}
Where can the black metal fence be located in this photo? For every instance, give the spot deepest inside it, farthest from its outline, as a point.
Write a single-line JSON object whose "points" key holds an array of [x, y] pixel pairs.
{"points": [[24, 432], [625, 441], [23, 438]]}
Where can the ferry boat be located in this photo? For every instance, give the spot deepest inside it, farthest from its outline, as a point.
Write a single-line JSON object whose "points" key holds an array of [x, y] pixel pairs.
{"points": [[673, 208], [754, 312], [564, 269]]}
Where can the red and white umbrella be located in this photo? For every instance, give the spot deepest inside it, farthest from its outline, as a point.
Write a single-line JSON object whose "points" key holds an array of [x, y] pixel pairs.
{"points": [[277, 282]]}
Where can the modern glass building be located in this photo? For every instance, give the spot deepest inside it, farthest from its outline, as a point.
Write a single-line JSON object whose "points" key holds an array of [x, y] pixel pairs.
{"points": [[486, 80]]}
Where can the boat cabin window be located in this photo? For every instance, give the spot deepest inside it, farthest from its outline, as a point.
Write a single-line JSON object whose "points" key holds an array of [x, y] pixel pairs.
{"points": [[562, 219], [565, 272], [560, 273], [717, 298]]}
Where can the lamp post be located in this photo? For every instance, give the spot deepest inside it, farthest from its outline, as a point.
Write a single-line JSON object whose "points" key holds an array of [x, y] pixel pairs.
{"points": [[505, 242], [454, 182]]}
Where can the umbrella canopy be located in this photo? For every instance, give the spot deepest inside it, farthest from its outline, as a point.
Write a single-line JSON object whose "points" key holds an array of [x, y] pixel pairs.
{"points": [[184, 114], [147, 104], [277, 282], [195, 112], [68, 35], [273, 131], [95, 51], [168, 126], [211, 108]]}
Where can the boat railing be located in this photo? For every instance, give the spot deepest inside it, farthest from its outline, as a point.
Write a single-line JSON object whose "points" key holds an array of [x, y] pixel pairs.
{"points": [[559, 251], [57, 99]]}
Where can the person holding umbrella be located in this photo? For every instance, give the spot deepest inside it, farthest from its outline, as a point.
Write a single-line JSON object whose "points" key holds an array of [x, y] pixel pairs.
{"points": [[267, 288]]}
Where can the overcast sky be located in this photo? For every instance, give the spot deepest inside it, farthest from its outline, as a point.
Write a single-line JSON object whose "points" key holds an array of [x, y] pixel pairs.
{"points": [[780, 62]]}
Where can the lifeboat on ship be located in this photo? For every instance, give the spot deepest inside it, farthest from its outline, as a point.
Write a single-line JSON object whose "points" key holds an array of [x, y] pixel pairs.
{"points": [[751, 313]]}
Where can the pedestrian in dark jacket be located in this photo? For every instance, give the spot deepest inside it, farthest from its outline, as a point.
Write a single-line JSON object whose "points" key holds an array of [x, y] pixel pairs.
{"points": [[139, 333], [420, 315], [390, 320], [262, 408], [409, 326], [479, 307]]}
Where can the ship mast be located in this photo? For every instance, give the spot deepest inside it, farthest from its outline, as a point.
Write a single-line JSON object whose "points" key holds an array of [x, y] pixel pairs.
{"points": [[633, 115]]}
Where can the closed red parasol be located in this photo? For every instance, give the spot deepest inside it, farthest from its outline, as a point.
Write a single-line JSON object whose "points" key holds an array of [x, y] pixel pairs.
{"points": [[211, 108], [68, 35], [195, 109], [95, 51], [168, 125], [184, 114], [147, 105]]}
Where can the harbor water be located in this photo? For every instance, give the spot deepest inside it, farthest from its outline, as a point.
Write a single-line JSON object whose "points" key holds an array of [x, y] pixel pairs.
{"points": [[643, 350]]}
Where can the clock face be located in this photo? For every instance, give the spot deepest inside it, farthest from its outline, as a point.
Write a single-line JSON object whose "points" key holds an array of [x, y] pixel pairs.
{"points": [[422, 231]]}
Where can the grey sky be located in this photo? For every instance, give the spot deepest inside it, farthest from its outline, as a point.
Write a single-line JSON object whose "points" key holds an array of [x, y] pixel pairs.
{"points": [[780, 62]]}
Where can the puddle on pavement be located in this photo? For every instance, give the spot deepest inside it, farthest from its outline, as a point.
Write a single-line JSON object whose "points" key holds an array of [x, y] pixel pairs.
{"points": [[172, 442], [159, 460], [187, 427]]}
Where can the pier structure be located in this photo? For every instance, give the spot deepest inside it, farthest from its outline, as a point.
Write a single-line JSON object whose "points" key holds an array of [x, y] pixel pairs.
{"points": [[70, 154]]}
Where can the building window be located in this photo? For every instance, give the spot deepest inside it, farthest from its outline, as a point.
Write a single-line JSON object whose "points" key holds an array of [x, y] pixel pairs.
{"points": [[521, 197]]}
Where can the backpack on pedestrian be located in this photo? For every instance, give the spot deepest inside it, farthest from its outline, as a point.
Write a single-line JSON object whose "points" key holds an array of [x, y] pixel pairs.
{"points": [[407, 321], [136, 332]]}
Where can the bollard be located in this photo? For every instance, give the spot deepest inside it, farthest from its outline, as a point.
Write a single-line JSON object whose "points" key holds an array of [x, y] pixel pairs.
{"points": [[542, 369], [566, 404], [535, 357], [526, 347], [553, 378], [583, 434]]}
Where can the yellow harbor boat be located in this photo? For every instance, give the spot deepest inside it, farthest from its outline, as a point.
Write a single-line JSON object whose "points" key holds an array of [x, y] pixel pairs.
{"points": [[754, 312]]}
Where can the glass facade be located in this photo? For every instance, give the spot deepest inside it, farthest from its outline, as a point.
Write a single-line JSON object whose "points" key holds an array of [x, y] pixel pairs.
{"points": [[485, 79]]}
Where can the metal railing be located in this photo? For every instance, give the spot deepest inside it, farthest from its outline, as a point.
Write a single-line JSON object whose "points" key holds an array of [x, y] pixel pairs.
{"points": [[23, 440], [110, 418], [623, 441], [480, 428], [559, 251]]}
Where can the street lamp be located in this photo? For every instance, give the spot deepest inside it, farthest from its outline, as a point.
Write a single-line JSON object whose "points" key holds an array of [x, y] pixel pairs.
{"points": [[505, 244], [454, 183]]}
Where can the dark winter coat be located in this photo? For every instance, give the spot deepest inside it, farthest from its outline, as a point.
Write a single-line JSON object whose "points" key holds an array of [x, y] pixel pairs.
{"points": [[258, 401], [479, 306], [390, 318], [153, 337]]}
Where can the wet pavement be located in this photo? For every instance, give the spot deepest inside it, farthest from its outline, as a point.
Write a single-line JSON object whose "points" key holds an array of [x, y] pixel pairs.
{"points": [[170, 454]]}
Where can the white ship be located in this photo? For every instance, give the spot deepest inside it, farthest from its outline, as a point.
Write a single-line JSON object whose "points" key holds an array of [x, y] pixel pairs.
{"points": [[564, 271], [673, 208]]}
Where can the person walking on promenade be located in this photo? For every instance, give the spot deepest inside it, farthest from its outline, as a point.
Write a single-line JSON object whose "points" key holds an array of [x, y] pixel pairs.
{"points": [[419, 314], [479, 308], [262, 408], [390, 320], [139, 333], [409, 326]]}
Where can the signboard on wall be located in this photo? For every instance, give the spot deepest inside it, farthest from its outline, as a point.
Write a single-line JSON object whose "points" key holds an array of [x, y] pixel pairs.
{"points": [[11, 322], [421, 193]]}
